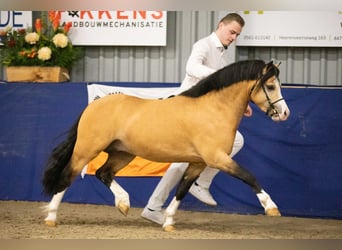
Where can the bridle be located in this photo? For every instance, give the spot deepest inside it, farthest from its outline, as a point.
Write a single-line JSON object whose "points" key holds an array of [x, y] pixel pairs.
{"points": [[271, 110]]}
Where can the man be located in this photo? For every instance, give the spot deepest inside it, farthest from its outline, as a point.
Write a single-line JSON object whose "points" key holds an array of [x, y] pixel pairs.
{"points": [[207, 56]]}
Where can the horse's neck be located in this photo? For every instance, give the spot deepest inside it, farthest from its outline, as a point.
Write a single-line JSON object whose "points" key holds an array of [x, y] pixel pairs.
{"points": [[233, 99]]}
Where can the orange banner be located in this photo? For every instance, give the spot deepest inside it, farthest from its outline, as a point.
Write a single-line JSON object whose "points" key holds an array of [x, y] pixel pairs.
{"points": [[137, 167]]}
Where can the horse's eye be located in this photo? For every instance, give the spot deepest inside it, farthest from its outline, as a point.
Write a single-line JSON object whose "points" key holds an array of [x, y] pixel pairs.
{"points": [[270, 87]]}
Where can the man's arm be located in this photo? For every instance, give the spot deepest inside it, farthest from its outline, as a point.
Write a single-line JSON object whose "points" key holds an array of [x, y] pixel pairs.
{"points": [[195, 66]]}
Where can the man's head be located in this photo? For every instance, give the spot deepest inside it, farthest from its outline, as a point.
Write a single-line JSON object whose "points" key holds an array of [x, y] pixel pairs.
{"points": [[229, 28]]}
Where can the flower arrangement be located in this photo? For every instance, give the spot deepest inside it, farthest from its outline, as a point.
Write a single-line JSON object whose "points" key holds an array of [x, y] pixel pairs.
{"points": [[47, 45]]}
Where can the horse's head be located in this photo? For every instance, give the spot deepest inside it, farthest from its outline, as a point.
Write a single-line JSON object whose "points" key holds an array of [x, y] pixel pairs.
{"points": [[266, 93]]}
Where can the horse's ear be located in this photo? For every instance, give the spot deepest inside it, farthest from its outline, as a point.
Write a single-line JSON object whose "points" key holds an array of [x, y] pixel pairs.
{"points": [[278, 64], [269, 64]]}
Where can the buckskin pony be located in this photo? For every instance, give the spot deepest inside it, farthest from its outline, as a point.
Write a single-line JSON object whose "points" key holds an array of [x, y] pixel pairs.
{"points": [[197, 126]]}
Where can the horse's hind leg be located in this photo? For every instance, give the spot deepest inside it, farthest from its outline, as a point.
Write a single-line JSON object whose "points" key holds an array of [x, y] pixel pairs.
{"points": [[105, 174], [116, 160], [190, 175], [52, 209]]}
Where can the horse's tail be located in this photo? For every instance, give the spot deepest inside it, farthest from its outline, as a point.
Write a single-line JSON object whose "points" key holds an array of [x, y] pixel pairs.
{"points": [[56, 178]]}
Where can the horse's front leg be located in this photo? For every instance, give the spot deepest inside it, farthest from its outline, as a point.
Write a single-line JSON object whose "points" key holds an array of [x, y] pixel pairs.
{"points": [[228, 165], [268, 204], [190, 175], [52, 209]]}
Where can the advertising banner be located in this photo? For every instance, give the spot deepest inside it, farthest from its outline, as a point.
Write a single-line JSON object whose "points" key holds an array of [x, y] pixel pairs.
{"points": [[15, 19], [96, 91], [121, 28], [291, 28]]}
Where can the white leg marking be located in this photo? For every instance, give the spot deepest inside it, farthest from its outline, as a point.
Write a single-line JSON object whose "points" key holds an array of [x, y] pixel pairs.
{"points": [[120, 194], [52, 207], [170, 213], [265, 200]]}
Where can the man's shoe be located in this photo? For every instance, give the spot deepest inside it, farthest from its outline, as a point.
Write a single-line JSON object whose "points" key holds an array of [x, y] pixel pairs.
{"points": [[202, 194], [153, 215]]}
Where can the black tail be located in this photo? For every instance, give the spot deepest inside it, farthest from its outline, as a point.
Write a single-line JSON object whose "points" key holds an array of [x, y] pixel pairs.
{"points": [[55, 177]]}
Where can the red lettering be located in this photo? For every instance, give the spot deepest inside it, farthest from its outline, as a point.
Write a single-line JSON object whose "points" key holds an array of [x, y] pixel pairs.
{"points": [[157, 15], [83, 13], [142, 14], [107, 13], [120, 15]]}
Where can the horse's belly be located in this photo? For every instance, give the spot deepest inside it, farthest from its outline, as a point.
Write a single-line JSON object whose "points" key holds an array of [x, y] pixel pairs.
{"points": [[162, 157], [160, 152]]}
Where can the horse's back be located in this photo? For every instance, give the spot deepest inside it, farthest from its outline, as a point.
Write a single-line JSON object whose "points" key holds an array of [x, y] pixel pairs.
{"points": [[135, 123]]}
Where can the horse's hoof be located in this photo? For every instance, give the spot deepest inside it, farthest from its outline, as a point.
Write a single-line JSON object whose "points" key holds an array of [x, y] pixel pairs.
{"points": [[169, 228], [123, 208], [273, 212], [50, 223]]}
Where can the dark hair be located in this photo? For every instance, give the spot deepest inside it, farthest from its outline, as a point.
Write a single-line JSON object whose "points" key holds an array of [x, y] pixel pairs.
{"points": [[233, 17], [231, 74]]}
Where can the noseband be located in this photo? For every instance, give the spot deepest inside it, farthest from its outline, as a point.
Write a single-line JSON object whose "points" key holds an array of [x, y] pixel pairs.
{"points": [[271, 111]]}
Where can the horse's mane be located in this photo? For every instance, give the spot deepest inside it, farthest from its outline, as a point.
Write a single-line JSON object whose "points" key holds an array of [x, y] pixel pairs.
{"points": [[233, 73]]}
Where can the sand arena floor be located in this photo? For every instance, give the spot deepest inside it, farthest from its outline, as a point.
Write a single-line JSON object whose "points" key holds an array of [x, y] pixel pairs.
{"points": [[25, 220]]}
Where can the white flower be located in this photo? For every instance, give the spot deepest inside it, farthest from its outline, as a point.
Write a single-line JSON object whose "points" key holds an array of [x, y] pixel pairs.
{"points": [[32, 38], [60, 40], [44, 53]]}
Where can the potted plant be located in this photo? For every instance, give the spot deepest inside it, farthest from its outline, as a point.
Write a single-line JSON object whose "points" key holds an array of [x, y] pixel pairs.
{"points": [[42, 54]]}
